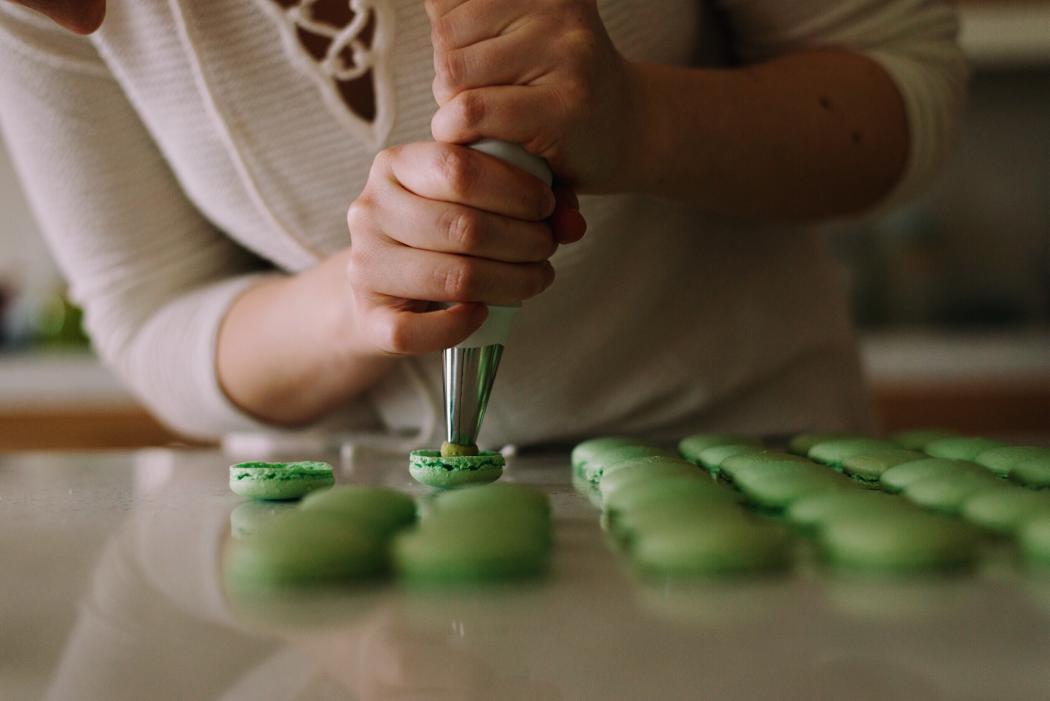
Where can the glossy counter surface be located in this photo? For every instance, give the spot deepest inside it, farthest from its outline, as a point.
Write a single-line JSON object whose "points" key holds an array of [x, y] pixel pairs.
{"points": [[111, 589]]}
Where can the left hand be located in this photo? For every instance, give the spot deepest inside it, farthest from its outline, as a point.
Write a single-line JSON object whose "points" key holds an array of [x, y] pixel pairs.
{"points": [[540, 73]]}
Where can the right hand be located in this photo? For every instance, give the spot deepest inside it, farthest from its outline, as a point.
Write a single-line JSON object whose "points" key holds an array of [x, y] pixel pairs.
{"points": [[444, 223]]}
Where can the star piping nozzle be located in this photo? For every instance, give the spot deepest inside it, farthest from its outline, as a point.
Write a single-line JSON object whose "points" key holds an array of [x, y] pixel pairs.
{"points": [[469, 369]]}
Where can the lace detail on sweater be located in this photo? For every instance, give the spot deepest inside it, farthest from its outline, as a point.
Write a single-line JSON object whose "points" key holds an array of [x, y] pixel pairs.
{"points": [[342, 46]]}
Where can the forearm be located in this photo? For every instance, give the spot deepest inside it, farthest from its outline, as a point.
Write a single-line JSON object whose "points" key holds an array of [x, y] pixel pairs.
{"points": [[287, 350], [803, 136]]}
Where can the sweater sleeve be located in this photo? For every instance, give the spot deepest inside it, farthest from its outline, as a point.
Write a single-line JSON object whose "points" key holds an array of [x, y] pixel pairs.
{"points": [[913, 40], [154, 277]]}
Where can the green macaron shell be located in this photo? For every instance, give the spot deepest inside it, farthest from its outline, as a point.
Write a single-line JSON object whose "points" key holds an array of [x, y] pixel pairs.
{"points": [[947, 493], [713, 457], [835, 451], [960, 447], [521, 519], [695, 513], [649, 472], [280, 481], [869, 465], [608, 459], [743, 462], [633, 463], [918, 439], [724, 547], [471, 554], [664, 492], [1033, 473], [492, 496], [690, 447], [802, 442], [817, 510], [1004, 509], [1033, 537], [430, 468], [898, 543], [900, 476], [781, 488], [588, 449], [386, 510], [304, 548], [1002, 460]]}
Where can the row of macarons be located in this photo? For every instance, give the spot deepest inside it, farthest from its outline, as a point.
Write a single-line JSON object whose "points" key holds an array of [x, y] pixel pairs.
{"points": [[853, 525], [357, 533]]}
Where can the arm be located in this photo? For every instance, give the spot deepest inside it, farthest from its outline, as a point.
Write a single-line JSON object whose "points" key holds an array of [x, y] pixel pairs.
{"points": [[835, 105]]}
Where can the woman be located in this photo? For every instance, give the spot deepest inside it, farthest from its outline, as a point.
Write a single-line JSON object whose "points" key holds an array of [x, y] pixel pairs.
{"points": [[191, 164]]}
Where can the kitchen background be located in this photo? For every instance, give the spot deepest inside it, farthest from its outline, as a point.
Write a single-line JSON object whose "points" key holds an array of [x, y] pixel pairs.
{"points": [[951, 293]]}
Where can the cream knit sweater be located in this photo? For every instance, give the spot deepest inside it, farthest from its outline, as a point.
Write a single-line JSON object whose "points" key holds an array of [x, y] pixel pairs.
{"points": [[191, 146]]}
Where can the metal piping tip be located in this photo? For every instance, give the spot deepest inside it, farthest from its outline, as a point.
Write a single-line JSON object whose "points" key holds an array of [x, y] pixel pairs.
{"points": [[468, 376]]}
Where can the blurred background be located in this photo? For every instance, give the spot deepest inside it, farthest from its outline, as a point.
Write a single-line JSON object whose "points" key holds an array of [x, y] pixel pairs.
{"points": [[951, 294]]}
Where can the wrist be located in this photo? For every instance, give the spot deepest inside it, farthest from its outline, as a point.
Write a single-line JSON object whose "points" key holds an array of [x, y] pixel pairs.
{"points": [[647, 141]]}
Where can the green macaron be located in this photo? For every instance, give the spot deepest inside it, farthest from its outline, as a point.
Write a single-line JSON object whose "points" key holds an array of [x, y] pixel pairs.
{"points": [[691, 513], [733, 466], [1002, 460], [1004, 509], [385, 510], [495, 497], [304, 548], [918, 439], [713, 457], [834, 452], [727, 546], [666, 491], [280, 481], [1033, 537], [869, 465], [468, 549], [584, 452], [900, 476], [647, 471], [905, 542], [690, 447], [608, 459], [1033, 473], [430, 468], [815, 511], [778, 487], [961, 447], [802, 442], [947, 492]]}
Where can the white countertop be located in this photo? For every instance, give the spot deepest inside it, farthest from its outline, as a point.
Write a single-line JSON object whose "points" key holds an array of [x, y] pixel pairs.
{"points": [[111, 590]]}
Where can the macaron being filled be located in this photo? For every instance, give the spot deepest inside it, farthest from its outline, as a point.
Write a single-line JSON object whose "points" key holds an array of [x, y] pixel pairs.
{"points": [[280, 481], [429, 467]]}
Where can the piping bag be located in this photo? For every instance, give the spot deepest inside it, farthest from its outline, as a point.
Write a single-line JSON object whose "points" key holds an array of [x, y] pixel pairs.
{"points": [[469, 368]]}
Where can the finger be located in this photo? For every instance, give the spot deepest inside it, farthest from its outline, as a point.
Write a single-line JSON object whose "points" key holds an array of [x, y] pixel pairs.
{"points": [[409, 273], [399, 331], [438, 8], [567, 223], [510, 59], [474, 21], [452, 228], [457, 174], [520, 115]]}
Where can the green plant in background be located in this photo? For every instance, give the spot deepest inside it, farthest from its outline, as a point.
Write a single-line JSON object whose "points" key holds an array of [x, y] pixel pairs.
{"points": [[59, 324]]}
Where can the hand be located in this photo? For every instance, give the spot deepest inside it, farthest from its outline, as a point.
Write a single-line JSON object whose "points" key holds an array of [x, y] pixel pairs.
{"points": [[444, 223], [540, 73]]}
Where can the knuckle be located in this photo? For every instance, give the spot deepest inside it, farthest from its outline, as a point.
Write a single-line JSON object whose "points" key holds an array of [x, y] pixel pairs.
{"points": [[442, 33], [471, 108], [450, 67], [359, 214], [459, 282], [462, 229], [396, 337], [458, 170]]}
